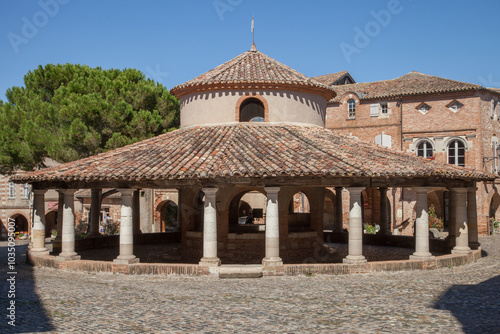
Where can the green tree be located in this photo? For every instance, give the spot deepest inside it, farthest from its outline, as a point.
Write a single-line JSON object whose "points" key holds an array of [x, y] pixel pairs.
{"points": [[68, 112]]}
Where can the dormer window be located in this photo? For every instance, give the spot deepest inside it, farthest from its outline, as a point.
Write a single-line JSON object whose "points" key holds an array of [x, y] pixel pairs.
{"points": [[455, 106], [252, 110], [351, 109], [423, 108]]}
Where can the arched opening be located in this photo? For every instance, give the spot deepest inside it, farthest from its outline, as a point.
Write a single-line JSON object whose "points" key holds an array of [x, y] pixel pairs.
{"points": [[456, 153], [299, 213], [425, 149], [252, 110], [20, 223], [50, 222], [168, 216], [494, 213], [247, 212]]}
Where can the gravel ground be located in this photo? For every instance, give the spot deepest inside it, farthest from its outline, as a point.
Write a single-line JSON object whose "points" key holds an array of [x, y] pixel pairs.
{"points": [[450, 300]]}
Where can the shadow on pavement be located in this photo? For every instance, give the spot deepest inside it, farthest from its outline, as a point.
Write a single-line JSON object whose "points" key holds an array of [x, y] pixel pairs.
{"points": [[475, 306], [30, 315]]}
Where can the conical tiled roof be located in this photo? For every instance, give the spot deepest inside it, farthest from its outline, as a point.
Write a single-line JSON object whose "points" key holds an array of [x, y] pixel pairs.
{"points": [[249, 69], [248, 150]]}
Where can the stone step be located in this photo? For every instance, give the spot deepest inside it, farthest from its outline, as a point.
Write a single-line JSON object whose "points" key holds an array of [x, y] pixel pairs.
{"points": [[240, 271]]}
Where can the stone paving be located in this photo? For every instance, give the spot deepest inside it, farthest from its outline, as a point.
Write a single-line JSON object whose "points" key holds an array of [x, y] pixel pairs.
{"points": [[451, 300]]}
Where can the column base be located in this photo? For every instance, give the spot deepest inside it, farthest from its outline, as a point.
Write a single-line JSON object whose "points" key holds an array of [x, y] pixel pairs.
{"points": [[68, 257], [474, 245], [422, 257], [210, 262], [39, 251], [272, 262], [461, 250], [354, 259], [126, 259]]}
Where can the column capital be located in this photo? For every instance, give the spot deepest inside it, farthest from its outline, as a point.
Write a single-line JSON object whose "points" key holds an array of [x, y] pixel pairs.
{"points": [[210, 191], [355, 190], [272, 190], [39, 191], [125, 191], [472, 189], [69, 191]]}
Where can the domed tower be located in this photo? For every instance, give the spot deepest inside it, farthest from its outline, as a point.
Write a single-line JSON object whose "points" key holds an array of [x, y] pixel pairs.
{"points": [[252, 87]]}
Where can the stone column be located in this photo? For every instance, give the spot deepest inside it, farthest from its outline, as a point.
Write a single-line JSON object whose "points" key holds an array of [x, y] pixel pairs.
{"points": [[422, 226], [461, 228], [452, 214], [272, 229], [38, 230], [210, 258], [95, 212], [68, 229], [57, 242], [472, 218], [339, 224], [384, 218], [136, 211], [355, 246], [126, 230]]}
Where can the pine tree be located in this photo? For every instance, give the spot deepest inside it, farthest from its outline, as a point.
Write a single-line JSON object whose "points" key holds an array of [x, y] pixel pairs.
{"points": [[68, 112]]}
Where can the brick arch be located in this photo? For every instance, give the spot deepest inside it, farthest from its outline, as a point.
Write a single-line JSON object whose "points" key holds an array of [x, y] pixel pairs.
{"points": [[255, 96], [25, 221]]}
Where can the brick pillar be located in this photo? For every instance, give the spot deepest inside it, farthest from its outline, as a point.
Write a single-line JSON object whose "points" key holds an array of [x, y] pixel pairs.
{"points": [[95, 211], [57, 242], [272, 229], [461, 228], [126, 230], [384, 217], [210, 258], [355, 245], [339, 223], [68, 229], [472, 218], [38, 230], [422, 226]]}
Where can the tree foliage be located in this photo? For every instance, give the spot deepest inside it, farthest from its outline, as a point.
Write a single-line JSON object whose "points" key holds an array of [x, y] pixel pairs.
{"points": [[68, 112]]}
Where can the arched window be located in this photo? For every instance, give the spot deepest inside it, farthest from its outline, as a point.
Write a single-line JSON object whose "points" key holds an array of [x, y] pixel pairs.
{"points": [[351, 109], [424, 149], [456, 153], [252, 110]]}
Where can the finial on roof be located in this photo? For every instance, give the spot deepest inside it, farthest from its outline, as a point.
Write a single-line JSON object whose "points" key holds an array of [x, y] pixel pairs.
{"points": [[253, 48]]}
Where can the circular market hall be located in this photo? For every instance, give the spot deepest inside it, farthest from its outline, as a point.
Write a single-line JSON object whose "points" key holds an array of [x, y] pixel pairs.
{"points": [[256, 171]]}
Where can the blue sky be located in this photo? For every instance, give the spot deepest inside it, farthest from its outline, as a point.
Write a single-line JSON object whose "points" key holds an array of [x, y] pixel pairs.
{"points": [[174, 41]]}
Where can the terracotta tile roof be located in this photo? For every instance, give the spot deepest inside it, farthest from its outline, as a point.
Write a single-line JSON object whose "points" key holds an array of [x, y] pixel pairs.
{"points": [[495, 90], [330, 79], [413, 83], [247, 150], [250, 67]]}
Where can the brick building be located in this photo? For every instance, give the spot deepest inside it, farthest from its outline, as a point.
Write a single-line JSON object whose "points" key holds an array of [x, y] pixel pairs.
{"points": [[435, 118]]}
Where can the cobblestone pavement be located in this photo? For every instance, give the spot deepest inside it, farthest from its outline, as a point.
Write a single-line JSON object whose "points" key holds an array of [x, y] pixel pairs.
{"points": [[450, 300]]}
